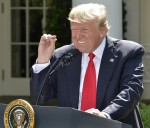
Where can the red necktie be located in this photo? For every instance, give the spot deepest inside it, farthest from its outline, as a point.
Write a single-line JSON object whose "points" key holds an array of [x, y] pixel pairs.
{"points": [[89, 86]]}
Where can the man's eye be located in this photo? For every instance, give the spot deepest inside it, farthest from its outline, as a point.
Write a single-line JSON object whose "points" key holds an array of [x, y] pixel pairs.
{"points": [[73, 29], [85, 30]]}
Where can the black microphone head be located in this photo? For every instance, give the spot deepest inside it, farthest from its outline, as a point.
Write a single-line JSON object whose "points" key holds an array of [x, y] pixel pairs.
{"points": [[70, 55], [67, 58], [75, 52]]}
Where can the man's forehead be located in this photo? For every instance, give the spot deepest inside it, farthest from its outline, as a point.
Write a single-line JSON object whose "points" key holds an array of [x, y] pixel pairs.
{"points": [[86, 24], [83, 23]]}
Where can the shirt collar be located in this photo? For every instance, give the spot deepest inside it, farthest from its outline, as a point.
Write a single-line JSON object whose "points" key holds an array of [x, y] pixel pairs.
{"points": [[98, 52]]}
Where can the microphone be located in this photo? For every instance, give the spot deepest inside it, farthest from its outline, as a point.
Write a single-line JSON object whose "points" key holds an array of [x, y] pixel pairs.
{"points": [[64, 60]]}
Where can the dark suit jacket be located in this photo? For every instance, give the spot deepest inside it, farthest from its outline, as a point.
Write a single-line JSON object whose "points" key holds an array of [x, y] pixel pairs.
{"points": [[119, 87]]}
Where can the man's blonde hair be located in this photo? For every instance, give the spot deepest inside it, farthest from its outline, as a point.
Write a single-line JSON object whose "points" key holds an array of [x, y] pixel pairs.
{"points": [[87, 12]]}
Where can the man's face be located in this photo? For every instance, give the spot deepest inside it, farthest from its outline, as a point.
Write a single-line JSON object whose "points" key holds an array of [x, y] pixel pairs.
{"points": [[86, 36]]}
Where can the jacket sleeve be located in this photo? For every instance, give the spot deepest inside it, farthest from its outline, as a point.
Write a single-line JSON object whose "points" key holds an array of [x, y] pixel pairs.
{"points": [[131, 86], [42, 80]]}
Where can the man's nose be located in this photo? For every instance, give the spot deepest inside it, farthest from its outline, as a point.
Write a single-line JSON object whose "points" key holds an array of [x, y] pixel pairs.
{"points": [[78, 34]]}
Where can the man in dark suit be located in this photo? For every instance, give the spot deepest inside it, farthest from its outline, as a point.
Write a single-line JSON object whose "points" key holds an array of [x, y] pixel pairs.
{"points": [[118, 68]]}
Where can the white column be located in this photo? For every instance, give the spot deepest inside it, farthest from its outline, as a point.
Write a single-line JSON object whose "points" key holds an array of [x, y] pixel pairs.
{"points": [[133, 20], [114, 14], [1, 49], [145, 41]]}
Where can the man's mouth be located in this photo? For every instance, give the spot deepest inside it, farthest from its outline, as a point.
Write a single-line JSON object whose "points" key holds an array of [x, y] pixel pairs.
{"points": [[81, 42]]}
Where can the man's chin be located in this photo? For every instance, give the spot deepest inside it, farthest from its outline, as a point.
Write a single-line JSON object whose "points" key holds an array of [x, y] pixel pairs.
{"points": [[83, 50]]}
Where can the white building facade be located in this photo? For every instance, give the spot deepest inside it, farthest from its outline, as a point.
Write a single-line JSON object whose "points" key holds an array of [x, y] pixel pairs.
{"points": [[15, 38]]}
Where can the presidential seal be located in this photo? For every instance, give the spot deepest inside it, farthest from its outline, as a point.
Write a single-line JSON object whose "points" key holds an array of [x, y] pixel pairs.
{"points": [[19, 114]]}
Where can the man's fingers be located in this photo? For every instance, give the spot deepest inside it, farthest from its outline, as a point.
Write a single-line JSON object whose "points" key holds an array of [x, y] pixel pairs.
{"points": [[52, 38], [48, 39], [95, 112], [48, 36]]}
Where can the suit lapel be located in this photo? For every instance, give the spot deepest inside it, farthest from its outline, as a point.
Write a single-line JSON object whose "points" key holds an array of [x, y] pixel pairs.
{"points": [[108, 62], [74, 81]]}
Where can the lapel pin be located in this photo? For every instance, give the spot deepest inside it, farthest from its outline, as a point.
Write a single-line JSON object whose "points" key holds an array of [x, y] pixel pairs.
{"points": [[111, 60]]}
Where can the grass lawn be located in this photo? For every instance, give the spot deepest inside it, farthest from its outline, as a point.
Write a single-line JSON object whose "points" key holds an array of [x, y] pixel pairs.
{"points": [[145, 114]]}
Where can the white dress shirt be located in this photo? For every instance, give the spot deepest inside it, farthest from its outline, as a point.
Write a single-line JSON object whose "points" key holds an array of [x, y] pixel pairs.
{"points": [[84, 63]]}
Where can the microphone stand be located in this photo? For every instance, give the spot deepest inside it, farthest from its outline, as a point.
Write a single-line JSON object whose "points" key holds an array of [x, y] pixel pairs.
{"points": [[65, 59], [48, 75]]}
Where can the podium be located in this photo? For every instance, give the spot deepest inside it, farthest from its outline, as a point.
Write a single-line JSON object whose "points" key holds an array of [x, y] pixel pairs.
{"points": [[65, 117]]}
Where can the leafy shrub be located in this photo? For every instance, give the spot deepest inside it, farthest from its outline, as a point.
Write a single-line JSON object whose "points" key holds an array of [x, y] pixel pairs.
{"points": [[145, 114], [57, 22]]}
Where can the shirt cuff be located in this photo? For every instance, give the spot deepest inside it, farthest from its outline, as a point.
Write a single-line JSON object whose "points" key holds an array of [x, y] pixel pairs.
{"points": [[39, 67], [106, 115]]}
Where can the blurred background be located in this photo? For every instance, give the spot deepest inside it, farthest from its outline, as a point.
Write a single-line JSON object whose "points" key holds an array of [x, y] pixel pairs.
{"points": [[22, 22]]}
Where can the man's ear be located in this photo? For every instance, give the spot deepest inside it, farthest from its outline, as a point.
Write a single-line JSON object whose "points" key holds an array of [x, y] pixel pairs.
{"points": [[103, 32]]}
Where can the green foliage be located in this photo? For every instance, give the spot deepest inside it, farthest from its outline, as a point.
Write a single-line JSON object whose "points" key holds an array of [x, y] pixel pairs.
{"points": [[57, 22], [145, 114]]}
